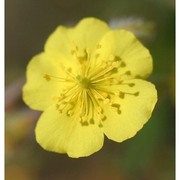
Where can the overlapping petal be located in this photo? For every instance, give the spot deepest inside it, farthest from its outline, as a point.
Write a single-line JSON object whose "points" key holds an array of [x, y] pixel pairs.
{"points": [[136, 107], [39, 93], [124, 45], [59, 133], [86, 34]]}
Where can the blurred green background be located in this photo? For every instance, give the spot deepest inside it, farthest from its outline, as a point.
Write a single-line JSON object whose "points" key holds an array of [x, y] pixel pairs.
{"points": [[150, 155]]}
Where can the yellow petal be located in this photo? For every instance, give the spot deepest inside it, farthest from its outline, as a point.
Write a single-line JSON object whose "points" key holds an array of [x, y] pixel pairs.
{"points": [[136, 108], [59, 133], [59, 42], [86, 34], [40, 92], [135, 58]]}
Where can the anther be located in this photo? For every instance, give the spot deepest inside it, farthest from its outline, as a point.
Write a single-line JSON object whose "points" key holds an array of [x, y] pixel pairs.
{"points": [[70, 113], [47, 77], [116, 64], [136, 93], [103, 117], [84, 123], [91, 121], [99, 110], [98, 46], [121, 95], [117, 108], [57, 106], [128, 72], [123, 64], [117, 58], [131, 84], [100, 125], [111, 57], [106, 101]]}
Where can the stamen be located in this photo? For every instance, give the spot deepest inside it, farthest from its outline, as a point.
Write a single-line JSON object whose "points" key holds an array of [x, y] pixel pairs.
{"points": [[70, 89], [128, 72], [93, 85], [69, 102], [102, 79], [91, 121], [104, 90], [96, 106], [100, 125], [105, 99], [48, 77], [122, 94], [117, 108], [123, 64], [109, 66], [128, 84]]}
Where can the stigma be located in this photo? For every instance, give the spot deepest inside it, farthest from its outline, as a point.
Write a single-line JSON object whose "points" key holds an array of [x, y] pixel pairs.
{"points": [[84, 82]]}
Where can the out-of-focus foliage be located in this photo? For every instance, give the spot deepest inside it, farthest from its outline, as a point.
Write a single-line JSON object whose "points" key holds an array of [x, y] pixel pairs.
{"points": [[150, 154]]}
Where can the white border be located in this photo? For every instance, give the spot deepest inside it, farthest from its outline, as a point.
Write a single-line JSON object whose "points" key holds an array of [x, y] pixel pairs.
{"points": [[2, 102], [177, 90]]}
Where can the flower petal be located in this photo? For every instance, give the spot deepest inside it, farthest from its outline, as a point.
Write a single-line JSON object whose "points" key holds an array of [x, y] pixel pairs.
{"points": [[135, 58], [86, 34], [38, 92], [136, 108], [59, 133], [59, 42]]}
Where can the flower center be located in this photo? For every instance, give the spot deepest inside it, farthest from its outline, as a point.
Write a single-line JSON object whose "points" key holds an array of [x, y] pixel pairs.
{"points": [[83, 81], [93, 84]]}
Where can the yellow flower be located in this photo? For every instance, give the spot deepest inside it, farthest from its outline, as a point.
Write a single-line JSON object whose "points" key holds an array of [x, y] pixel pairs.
{"points": [[88, 81]]}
